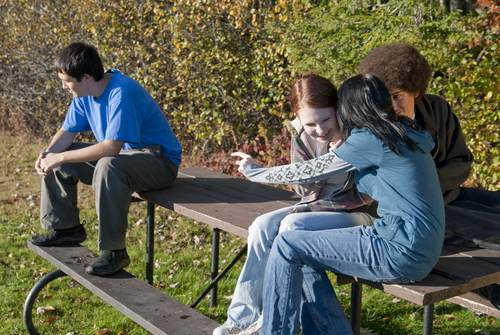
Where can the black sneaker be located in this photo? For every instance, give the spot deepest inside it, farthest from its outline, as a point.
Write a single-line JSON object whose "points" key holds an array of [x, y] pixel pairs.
{"points": [[109, 262], [55, 237], [494, 294]]}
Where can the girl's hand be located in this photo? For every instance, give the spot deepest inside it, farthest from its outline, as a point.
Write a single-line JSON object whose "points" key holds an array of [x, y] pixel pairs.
{"points": [[245, 160], [334, 145]]}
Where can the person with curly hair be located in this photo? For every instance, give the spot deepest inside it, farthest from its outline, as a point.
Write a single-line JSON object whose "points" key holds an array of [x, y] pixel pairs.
{"points": [[390, 157], [472, 214]]}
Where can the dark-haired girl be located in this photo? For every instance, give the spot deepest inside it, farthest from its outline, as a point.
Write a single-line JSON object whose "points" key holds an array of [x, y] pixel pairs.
{"points": [[313, 100], [392, 164], [472, 214]]}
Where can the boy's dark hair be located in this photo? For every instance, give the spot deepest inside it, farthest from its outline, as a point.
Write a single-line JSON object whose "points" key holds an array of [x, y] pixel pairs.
{"points": [[365, 102], [398, 65], [312, 91], [78, 59]]}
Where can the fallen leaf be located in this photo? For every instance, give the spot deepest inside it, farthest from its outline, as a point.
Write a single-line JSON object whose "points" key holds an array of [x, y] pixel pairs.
{"points": [[43, 310], [415, 315], [103, 331], [396, 300], [51, 319], [492, 321], [48, 297], [123, 332], [174, 285], [387, 318], [451, 316]]}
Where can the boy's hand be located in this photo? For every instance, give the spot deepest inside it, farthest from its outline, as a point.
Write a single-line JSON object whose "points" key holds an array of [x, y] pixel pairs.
{"points": [[245, 160]]}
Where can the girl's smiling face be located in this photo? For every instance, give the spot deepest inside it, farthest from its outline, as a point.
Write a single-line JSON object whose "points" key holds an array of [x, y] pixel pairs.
{"points": [[320, 123]]}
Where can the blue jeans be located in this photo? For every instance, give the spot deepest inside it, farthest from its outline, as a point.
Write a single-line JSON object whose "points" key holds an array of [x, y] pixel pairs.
{"points": [[296, 270], [246, 305]]}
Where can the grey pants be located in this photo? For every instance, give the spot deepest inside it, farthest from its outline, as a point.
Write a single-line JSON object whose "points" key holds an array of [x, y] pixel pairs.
{"points": [[113, 179]]}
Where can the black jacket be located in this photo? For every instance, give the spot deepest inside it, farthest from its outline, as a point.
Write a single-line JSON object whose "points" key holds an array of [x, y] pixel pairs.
{"points": [[452, 157]]}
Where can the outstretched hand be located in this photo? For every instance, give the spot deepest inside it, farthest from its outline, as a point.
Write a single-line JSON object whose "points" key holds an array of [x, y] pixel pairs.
{"points": [[334, 145], [246, 160]]}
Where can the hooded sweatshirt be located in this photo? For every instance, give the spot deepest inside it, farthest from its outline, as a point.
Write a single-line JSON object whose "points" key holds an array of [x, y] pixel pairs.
{"points": [[411, 206], [336, 193]]}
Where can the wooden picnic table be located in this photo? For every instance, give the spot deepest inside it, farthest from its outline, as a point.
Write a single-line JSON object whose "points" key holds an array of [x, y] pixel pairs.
{"points": [[232, 204]]}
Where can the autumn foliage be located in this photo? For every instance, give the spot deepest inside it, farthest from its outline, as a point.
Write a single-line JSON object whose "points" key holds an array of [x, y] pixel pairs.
{"points": [[220, 69]]}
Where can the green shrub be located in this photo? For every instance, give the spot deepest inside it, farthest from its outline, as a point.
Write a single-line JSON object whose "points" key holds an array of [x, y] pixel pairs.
{"points": [[220, 69], [335, 38], [211, 65]]}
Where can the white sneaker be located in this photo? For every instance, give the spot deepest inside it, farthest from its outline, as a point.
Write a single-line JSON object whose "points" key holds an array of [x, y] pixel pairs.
{"points": [[226, 329], [254, 329]]}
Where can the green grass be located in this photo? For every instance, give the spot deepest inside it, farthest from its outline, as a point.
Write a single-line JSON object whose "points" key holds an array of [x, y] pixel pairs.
{"points": [[178, 260]]}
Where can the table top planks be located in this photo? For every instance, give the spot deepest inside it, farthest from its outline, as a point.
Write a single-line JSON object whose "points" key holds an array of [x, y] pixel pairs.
{"points": [[220, 200], [232, 204]]}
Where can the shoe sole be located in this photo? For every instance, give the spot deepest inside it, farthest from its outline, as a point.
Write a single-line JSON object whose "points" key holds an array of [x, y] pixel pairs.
{"points": [[66, 240]]}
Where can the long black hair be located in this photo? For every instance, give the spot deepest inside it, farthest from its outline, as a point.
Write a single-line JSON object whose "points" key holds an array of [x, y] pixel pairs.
{"points": [[365, 102]]}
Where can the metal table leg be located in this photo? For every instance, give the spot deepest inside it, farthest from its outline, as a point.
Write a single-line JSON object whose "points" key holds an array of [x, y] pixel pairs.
{"points": [[215, 264], [150, 243], [356, 289], [428, 319], [220, 276], [30, 300]]}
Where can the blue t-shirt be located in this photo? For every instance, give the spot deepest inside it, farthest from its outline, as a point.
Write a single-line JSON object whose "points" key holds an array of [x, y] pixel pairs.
{"points": [[124, 112], [410, 200]]}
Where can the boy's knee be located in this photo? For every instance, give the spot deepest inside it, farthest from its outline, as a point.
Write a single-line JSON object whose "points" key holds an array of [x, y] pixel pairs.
{"points": [[106, 170]]}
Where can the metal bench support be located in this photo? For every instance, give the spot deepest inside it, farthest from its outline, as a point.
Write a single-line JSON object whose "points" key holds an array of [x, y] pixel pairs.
{"points": [[240, 254], [30, 300]]}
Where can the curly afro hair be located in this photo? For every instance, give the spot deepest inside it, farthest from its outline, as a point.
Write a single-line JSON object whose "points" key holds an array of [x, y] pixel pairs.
{"points": [[398, 65]]}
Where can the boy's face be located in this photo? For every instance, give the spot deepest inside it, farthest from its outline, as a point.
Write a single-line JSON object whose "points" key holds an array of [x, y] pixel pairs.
{"points": [[403, 102], [79, 89], [320, 123]]}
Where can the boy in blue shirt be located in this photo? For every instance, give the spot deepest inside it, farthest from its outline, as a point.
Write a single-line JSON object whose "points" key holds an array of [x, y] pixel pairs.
{"points": [[137, 151]]}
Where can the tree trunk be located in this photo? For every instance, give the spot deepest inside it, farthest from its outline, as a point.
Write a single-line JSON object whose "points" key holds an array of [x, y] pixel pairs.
{"points": [[466, 6]]}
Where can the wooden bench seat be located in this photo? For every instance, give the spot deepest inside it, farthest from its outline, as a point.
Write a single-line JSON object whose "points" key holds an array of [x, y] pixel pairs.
{"points": [[476, 303], [152, 309]]}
